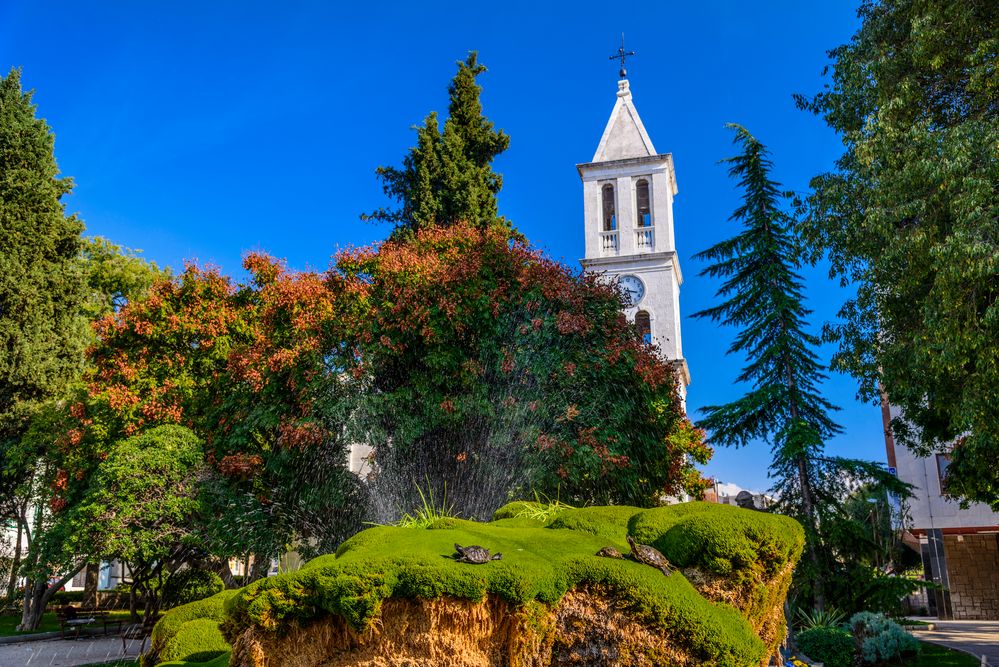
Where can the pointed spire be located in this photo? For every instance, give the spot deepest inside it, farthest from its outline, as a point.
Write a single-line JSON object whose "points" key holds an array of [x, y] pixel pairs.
{"points": [[625, 135]]}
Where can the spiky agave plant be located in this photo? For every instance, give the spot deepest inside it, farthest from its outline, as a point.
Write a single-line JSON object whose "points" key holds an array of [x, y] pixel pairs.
{"points": [[819, 618]]}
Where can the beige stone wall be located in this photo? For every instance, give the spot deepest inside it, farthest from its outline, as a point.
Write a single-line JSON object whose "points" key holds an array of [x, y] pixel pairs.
{"points": [[973, 570]]}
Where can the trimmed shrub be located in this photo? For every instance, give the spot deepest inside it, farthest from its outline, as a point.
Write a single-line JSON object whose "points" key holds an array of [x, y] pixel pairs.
{"points": [[831, 646], [167, 628], [199, 640], [221, 661], [66, 597], [190, 586], [880, 639]]}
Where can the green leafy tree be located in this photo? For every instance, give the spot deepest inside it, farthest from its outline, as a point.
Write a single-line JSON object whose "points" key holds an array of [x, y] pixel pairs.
{"points": [[43, 468], [447, 177], [41, 281], [115, 276], [49, 292], [141, 506], [910, 216], [763, 297]]}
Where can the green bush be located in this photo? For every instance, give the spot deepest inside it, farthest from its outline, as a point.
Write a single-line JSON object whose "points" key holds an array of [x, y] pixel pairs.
{"points": [[882, 639], [66, 597], [221, 661], [190, 586], [831, 646], [199, 640], [167, 628]]}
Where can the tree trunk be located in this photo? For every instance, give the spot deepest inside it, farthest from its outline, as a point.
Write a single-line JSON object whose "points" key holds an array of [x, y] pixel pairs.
{"points": [[90, 585], [225, 572], [808, 504], [36, 598], [15, 564], [261, 565], [807, 496], [133, 601], [792, 643]]}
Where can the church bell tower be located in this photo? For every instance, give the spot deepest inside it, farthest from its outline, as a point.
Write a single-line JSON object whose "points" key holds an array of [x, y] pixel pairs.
{"points": [[628, 191]]}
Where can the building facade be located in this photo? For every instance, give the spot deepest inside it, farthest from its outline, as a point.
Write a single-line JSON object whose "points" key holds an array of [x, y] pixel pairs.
{"points": [[959, 547], [628, 191]]}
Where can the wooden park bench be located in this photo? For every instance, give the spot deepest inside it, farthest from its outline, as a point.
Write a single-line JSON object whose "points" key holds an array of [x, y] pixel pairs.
{"points": [[70, 619], [103, 616]]}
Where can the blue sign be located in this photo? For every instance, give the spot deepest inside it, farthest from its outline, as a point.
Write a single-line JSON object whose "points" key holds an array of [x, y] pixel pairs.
{"points": [[892, 471]]}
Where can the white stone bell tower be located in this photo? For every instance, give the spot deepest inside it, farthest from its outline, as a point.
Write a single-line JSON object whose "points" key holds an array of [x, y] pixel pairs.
{"points": [[628, 192]]}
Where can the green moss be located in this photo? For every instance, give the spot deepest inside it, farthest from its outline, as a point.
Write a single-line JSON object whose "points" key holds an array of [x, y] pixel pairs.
{"points": [[608, 523], [540, 564], [516, 509], [698, 535], [199, 640]]}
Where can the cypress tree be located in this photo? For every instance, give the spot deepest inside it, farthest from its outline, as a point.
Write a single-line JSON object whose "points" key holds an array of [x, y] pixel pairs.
{"points": [[762, 295], [448, 177], [42, 285]]}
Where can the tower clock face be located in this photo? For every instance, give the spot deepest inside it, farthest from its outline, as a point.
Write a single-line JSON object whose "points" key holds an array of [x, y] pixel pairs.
{"points": [[634, 288]]}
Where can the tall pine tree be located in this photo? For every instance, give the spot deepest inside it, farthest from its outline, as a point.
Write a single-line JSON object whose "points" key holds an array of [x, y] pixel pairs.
{"points": [[448, 177], [42, 284], [762, 296]]}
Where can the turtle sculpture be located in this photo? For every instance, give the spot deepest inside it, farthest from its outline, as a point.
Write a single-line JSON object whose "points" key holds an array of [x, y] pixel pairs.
{"points": [[643, 553], [609, 552], [474, 554]]}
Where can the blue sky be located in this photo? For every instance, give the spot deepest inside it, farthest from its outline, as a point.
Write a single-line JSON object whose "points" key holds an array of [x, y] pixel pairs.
{"points": [[204, 130]]}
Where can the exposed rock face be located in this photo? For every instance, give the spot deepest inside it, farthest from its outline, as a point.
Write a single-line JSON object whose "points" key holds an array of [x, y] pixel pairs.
{"points": [[583, 629], [586, 628]]}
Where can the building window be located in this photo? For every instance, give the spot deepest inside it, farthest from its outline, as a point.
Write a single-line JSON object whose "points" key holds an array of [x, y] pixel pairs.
{"points": [[642, 199], [610, 219], [943, 462], [644, 325]]}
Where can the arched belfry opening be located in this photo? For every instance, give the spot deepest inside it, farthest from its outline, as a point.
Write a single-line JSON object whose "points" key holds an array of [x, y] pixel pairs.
{"points": [[609, 214], [642, 204], [643, 323]]}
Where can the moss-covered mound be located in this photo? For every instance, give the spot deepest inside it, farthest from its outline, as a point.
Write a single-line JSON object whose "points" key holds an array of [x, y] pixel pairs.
{"points": [[398, 592]]}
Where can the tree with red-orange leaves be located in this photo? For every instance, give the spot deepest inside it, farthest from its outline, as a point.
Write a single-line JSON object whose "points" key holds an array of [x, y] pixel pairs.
{"points": [[238, 364], [162, 358], [283, 460], [485, 370]]}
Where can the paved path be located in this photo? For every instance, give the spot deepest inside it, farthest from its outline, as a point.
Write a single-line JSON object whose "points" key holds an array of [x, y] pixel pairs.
{"points": [[976, 637], [64, 652]]}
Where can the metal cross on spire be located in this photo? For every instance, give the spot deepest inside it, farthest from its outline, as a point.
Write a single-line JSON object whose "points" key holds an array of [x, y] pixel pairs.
{"points": [[622, 54]]}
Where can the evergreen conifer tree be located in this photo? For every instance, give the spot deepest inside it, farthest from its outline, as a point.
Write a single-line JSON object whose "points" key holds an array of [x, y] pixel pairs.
{"points": [[42, 283], [447, 177], [763, 297]]}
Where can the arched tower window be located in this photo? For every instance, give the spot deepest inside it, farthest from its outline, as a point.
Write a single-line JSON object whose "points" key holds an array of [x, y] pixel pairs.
{"points": [[642, 199], [644, 325], [610, 219]]}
